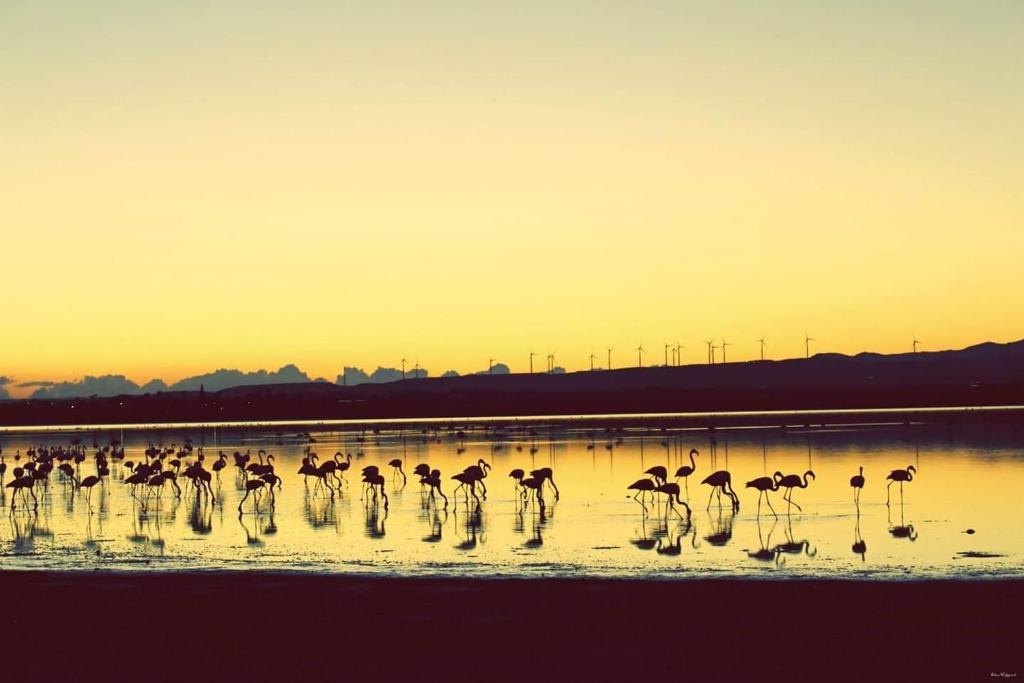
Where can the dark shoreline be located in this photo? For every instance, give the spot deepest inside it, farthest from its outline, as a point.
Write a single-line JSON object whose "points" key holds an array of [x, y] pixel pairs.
{"points": [[273, 626]]}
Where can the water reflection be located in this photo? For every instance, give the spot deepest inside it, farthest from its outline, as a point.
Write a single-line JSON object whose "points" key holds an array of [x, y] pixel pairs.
{"points": [[794, 547], [765, 552], [901, 530], [136, 512], [721, 528], [859, 546]]}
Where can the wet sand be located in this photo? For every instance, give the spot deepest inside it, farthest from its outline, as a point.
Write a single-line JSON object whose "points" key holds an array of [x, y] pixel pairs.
{"points": [[263, 626]]}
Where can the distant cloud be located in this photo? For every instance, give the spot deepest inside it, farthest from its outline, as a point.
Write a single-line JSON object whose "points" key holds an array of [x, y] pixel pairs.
{"points": [[450, 373], [496, 369], [35, 384], [353, 376], [225, 379], [4, 380], [557, 370], [105, 385]]}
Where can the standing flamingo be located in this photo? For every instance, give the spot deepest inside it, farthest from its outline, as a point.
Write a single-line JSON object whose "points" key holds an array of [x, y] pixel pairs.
{"points": [[791, 481], [764, 485], [397, 464], [900, 476], [685, 471], [857, 482]]}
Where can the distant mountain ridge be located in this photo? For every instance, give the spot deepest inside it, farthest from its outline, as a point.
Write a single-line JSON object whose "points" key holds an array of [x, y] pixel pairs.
{"points": [[984, 374]]}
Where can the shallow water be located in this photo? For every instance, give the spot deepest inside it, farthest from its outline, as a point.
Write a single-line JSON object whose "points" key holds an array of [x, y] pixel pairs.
{"points": [[964, 481]]}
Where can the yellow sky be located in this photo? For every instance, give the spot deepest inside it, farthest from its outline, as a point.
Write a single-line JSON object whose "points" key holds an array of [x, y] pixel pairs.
{"points": [[253, 184]]}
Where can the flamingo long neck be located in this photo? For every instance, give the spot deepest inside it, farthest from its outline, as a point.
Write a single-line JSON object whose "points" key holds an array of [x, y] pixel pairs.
{"points": [[693, 463]]}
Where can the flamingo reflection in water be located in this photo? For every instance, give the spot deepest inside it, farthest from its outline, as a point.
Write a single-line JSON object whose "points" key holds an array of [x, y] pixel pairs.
{"points": [[792, 547], [859, 546], [675, 545], [901, 530], [721, 529], [472, 527], [374, 527], [765, 553]]}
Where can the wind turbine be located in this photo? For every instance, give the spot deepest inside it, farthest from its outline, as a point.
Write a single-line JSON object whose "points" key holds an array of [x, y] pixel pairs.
{"points": [[640, 356], [711, 352], [592, 359], [416, 371], [532, 354], [807, 345], [490, 366], [610, 357], [667, 347], [916, 342], [403, 368], [724, 344], [761, 342], [679, 353], [551, 362]]}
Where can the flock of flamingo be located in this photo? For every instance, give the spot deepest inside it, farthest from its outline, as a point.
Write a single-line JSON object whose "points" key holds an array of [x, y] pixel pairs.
{"points": [[720, 482], [189, 471]]}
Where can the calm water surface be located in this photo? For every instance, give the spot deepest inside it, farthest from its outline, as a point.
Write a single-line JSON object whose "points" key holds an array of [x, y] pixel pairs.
{"points": [[594, 529]]}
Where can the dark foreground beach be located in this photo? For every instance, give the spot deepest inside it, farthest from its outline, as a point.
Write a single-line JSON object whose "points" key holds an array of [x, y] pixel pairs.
{"points": [[260, 626]]}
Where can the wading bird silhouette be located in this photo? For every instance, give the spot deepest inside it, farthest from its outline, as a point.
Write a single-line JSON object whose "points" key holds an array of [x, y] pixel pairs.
{"points": [[857, 482], [671, 492], [721, 482], [899, 476], [792, 481], [397, 464], [685, 471], [642, 486], [764, 485]]}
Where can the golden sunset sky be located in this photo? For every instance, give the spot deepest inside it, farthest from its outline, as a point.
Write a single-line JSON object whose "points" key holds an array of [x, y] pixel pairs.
{"points": [[193, 185]]}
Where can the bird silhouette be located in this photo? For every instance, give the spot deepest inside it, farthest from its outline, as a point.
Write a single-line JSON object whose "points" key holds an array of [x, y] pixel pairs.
{"points": [[899, 476], [764, 485], [642, 486], [721, 482], [857, 482], [397, 464], [659, 473], [685, 471], [671, 491], [792, 481]]}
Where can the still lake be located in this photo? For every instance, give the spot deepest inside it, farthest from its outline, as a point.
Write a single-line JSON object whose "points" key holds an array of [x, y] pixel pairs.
{"points": [[968, 479]]}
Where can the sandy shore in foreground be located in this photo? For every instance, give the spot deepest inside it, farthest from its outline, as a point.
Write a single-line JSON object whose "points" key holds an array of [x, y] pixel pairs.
{"points": [[260, 626]]}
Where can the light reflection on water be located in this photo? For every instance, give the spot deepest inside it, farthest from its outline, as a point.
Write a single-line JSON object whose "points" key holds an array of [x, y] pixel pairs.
{"points": [[594, 528]]}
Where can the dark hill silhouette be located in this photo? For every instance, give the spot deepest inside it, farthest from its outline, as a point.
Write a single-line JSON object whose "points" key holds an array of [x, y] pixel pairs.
{"points": [[986, 374]]}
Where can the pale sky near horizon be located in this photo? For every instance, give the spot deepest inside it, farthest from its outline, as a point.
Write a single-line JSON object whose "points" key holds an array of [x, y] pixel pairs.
{"points": [[193, 185]]}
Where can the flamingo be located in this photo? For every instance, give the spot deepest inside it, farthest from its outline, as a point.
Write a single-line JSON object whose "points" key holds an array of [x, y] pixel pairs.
{"points": [[900, 476], [671, 490], [857, 482], [659, 473], [545, 474], [764, 485], [434, 481], [250, 486], [721, 482], [88, 483], [642, 486], [685, 471], [467, 482], [791, 481], [397, 464]]}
